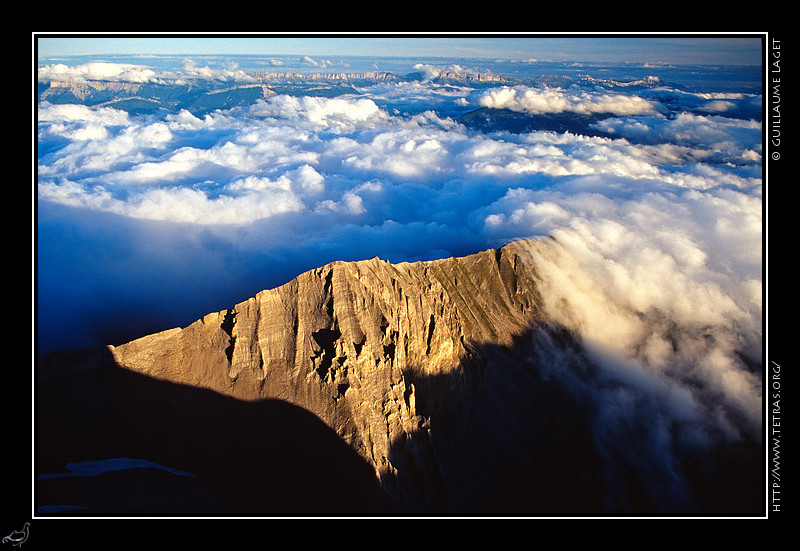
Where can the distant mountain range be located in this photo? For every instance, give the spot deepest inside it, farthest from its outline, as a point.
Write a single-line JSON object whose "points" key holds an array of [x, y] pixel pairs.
{"points": [[204, 96], [200, 96]]}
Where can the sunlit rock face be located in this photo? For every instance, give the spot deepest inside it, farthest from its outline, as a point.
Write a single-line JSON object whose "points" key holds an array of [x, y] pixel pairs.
{"points": [[360, 344], [468, 393]]}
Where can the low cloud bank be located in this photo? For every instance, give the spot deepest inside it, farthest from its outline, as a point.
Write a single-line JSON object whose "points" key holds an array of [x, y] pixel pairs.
{"points": [[676, 348], [348, 164], [540, 101], [120, 72], [104, 71]]}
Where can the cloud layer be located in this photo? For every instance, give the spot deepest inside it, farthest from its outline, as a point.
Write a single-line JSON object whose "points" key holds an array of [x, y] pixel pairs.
{"points": [[347, 163], [656, 262], [96, 71], [539, 101]]}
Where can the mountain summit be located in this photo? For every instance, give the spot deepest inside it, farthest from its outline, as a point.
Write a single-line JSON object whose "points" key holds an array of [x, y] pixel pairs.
{"points": [[440, 376], [378, 351]]}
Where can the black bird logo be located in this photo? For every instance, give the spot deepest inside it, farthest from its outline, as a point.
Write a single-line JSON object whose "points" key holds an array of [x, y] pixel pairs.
{"points": [[18, 537]]}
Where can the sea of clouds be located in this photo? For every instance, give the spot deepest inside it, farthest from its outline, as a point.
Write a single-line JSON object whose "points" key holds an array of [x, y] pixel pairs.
{"points": [[147, 223]]}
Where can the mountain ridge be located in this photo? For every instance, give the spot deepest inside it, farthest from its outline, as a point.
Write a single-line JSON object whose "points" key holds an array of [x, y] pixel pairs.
{"points": [[345, 340], [201, 96], [440, 376]]}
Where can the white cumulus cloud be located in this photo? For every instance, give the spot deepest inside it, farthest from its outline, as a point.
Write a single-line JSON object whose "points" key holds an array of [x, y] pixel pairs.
{"points": [[97, 71], [545, 101]]}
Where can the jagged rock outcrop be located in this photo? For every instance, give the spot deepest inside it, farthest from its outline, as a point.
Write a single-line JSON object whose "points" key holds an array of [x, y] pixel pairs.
{"points": [[347, 341]]}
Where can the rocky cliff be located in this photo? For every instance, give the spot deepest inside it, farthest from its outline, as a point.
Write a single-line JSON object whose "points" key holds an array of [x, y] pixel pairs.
{"points": [[439, 375], [350, 342]]}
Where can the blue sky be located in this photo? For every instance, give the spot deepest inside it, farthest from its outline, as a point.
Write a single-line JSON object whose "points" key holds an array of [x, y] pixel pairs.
{"points": [[690, 49]]}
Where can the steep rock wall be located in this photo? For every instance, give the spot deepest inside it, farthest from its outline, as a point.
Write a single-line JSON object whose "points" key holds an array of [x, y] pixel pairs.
{"points": [[347, 340]]}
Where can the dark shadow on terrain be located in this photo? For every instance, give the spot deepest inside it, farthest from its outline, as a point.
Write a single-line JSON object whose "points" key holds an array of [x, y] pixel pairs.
{"points": [[512, 432], [265, 458], [508, 434], [487, 119]]}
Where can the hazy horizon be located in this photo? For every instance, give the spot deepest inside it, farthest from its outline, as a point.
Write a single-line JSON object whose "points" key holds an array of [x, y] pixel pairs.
{"points": [[709, 49]]}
